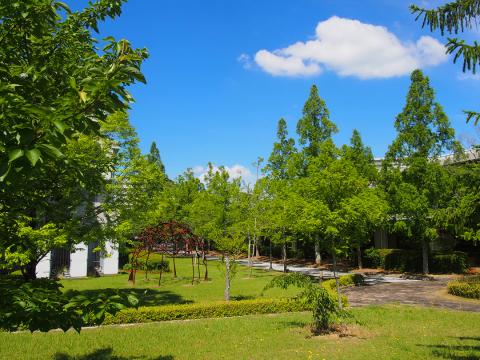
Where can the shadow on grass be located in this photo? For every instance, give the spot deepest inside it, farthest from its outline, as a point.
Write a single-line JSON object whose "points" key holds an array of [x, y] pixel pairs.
{"points": [[147, 297], [106, 354], [465, 351], [292, 324]]}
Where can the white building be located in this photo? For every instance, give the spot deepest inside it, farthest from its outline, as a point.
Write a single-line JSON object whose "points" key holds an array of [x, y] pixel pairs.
{"points": [[79, 263], [83, 261]]}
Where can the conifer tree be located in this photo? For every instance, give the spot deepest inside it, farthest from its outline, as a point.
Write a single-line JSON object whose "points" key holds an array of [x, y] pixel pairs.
{"points": [[154, 157], [315, 126], [415, 180], [454, 17]]}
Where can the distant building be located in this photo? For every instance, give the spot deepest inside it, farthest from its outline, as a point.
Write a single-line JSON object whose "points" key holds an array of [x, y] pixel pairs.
{"points": [[84, 261], [79, 263]]}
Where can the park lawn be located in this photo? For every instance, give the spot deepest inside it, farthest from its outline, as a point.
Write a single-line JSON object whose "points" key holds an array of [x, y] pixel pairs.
{"points": [[181, 290], [391, 332]]}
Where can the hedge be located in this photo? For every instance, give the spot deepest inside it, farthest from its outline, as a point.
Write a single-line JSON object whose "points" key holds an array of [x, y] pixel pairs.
{"points": [[411, 261], [204, 310], [468, 287], [345, 280]]}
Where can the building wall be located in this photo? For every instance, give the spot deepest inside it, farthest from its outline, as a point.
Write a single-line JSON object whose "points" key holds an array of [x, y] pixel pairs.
{"points": [[79, 261], [109, 261], [43, 267]]}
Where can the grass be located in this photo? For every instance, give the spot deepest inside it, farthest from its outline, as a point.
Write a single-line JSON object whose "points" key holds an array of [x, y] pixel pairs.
{"points": [[393, 332], [181, 290]]}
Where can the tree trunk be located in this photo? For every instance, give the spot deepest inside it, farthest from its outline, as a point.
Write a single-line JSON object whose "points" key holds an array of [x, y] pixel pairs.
{"points": [[284, 256], [337, 283], [146, 266], [174, 267], [359, 257], [193, 270], [161, 271], [425, 256], [198, 266], [270, 255], [206, 267], [30, 271], [227, 277], [249, 253], [318, 255]]}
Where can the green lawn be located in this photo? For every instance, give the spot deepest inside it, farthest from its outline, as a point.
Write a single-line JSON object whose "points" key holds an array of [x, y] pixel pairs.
{"points": [[181, 290], [392, 332]]}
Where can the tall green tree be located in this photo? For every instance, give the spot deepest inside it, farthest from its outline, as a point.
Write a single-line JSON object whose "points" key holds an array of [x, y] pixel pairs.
{"points": [[361, 157], [452, 18], [279, 161], [315, 130], [216, 214], [154, 156], [315, 126], [414, 179]]}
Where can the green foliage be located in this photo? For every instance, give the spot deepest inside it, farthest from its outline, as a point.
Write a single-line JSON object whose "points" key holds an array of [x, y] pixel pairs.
{"points": [[418, 186], [204, 310], [54, 83], [315, 127], [468, 287], [454, 17], [320, 298], [154, 264], [40, 305], [456, 262], [411, 261], [154, 157], [345, 280]]}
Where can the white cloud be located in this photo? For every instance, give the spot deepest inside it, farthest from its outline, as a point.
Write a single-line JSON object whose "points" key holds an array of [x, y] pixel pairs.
{"points": [[352, 48], [235, 171], [245, 60]]}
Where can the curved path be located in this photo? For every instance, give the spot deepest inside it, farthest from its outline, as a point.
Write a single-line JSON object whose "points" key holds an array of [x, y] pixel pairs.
{"points": [[387, 289], [424, 293]]}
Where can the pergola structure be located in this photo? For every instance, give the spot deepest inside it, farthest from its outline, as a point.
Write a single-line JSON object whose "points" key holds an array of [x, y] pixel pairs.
{"points": [[168, 239]]}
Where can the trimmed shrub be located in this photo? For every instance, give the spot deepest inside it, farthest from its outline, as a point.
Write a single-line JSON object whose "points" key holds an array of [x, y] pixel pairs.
{"points": [[411, 260], [204, 310], [345, 280], [468, 287], [456, 262], [372, 258], [153, 265]]}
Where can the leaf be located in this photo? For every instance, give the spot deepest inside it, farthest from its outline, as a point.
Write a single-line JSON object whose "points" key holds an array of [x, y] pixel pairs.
{"points": [[132, 300], [60, 125], [51, 150], [33, 155], [14, 154], [83, 95], [4, 170]]}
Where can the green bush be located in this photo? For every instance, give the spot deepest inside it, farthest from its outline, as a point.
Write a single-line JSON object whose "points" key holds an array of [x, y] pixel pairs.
{"points": [[468, 287], [456, 262], [411, 260], [345, 280], [153, 265], [204, 310]]}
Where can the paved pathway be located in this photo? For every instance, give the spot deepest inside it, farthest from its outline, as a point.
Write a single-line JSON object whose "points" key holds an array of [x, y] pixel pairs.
{"points": [[424, 293], [386, 289], [325, 274]]}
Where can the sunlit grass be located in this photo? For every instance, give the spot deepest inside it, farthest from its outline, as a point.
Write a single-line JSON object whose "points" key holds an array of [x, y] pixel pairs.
{"points": [[385, 333]]}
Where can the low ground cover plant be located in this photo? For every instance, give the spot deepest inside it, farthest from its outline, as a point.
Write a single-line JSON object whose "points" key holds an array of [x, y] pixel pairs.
{"points": [[468, 287], [322, 298]]}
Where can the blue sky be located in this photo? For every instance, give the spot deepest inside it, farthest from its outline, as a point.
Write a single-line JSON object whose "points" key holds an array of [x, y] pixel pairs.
{"points": [[221, 73]]}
